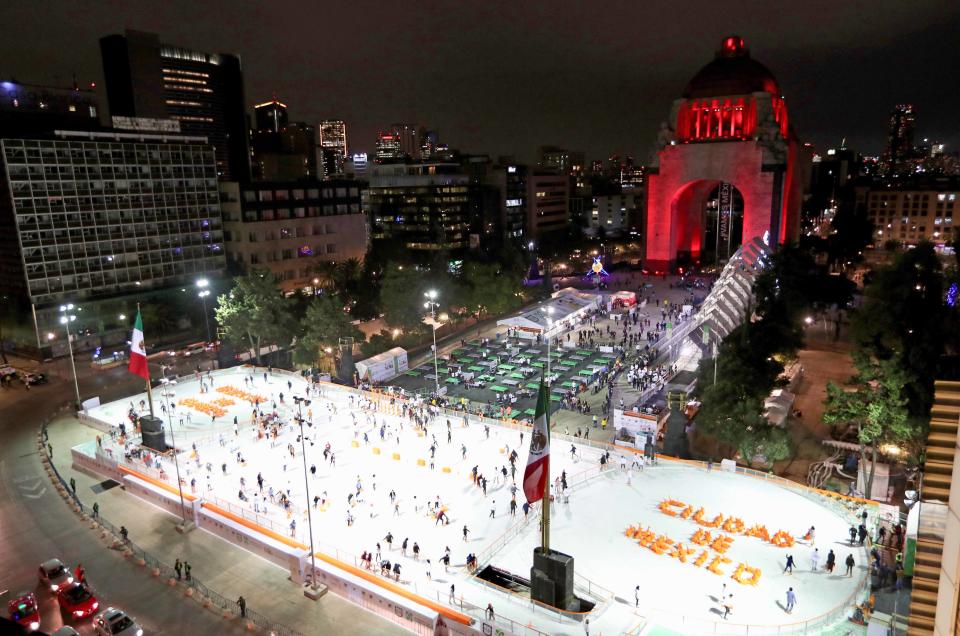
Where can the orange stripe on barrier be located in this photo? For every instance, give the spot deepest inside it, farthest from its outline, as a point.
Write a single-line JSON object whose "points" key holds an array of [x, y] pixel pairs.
{"points": [[276, 536], [443, 610], [352, 569], [156, 482]]}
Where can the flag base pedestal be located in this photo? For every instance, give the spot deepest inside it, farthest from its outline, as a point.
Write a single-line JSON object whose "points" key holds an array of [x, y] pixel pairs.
{"points": [[151, 430], [551, 579]]}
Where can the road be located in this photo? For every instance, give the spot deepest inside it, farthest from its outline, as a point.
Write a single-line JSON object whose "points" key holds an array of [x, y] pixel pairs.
{"points": [[36, 524]]}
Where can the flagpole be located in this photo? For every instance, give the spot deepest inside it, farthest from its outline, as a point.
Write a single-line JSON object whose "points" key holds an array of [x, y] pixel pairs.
{"points": [[545, 508], [149, 391]]}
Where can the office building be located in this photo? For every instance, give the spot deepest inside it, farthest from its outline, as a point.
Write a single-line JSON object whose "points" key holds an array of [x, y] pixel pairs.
{"points": [[203, 91], [332, 146], [281, 150], [909, 213], [357, 166], [270, 116], [91, 215], [615, 214], [425, 207], [27, 109], [388, 149], [899, 150], [293, 227], [547, 203], [409, 136]]}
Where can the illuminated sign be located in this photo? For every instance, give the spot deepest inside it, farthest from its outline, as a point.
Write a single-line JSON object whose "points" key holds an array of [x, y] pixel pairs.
{"points": [[512, 203], [148, 124]]}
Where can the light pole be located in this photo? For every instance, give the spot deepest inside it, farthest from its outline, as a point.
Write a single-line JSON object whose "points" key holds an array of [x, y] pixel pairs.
{"points": [[432, 305], [203, 283], [300, 402], [549, 327], [167, 394], [66, 317]]}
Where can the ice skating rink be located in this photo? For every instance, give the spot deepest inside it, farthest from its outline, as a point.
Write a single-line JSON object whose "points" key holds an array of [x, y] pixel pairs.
{"points": [[680, 571]]}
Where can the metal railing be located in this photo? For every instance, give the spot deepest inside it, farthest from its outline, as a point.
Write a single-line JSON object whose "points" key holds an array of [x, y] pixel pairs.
{"points": [[203, 594]]}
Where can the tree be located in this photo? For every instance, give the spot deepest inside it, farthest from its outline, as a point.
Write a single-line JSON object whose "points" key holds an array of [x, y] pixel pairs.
{"points": [[487, 290], [254, 312], [401, 298], [877, 407], [323, 324], [904, 319], [853, 231]]}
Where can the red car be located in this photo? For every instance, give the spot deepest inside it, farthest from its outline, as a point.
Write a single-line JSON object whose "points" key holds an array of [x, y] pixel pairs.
{"points": [[24, 611], [77, 600]]}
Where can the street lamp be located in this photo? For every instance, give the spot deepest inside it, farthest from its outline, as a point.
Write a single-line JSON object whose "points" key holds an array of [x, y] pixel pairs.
{"points": [[432, 305], [167, 394], [300, 402], [203, 283], [66, 317], [549, 326]]}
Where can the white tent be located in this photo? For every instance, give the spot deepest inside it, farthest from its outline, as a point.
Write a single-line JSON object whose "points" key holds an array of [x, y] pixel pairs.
{"points": [[568, 306], [383, 366], [777, 407]]}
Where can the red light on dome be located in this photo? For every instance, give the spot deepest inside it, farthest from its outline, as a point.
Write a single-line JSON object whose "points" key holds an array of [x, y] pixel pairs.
{"points": [[733, 44]]}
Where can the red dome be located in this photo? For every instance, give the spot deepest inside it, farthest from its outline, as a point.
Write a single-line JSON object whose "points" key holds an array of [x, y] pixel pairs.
{"points": [[732, 72]]}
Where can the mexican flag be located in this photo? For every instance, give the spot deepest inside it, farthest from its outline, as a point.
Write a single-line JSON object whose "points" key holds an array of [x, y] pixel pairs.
{"points": [[537, 472], [138, 351]]}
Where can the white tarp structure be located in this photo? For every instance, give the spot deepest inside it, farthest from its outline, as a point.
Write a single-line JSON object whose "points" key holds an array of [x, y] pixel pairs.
{"points": [[777, 407], [383, 366], [569, 307]]}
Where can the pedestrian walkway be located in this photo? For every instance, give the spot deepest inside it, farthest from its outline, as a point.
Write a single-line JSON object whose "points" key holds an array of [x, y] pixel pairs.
{"points": [[223, 567]]}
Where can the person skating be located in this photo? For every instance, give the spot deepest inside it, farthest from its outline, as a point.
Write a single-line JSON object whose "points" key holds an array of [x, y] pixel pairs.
{"points": [[466, 531], [636, 596], [849, 563], [861, 533], [389, 540], [790, 564], [791, 600], [853, 535], [831, 561], [489, 612], [814, 559], [727, 606]]}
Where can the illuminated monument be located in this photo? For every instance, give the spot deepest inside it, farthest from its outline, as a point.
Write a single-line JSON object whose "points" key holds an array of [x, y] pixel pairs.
{"points": [[727, 166]]}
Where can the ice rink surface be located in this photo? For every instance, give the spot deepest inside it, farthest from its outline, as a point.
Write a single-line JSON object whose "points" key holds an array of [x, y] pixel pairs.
{"points": [[591, 527]]}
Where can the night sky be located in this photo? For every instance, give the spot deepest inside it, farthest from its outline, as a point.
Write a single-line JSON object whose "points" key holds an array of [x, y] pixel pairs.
{"points": [[506, 77]]}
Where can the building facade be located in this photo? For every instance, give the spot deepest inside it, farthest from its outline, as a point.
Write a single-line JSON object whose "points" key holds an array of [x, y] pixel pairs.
{"points": [[548, 203], [911, 213], [203, 91], [727, 167], [424, 207], [333, 147], [98, 214], [293, 228], [27, 109], [615, 214]]}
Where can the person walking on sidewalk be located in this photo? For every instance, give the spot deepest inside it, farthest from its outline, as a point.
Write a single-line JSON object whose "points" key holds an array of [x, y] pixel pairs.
{"points": [[791, 600], [178, 568], [186, 570], [242, 604]]}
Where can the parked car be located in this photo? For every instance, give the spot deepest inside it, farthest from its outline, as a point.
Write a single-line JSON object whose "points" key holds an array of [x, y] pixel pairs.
{"points": [[115, 622], [66, 630], [77, 600], [24, 611], [54, 574]]}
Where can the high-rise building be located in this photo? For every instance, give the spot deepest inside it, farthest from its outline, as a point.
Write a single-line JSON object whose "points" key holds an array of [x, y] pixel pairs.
{"points": [[292, 227], [429, 145], [89, 215], [281, 150], [357, 166], [388, 148], [270, 116], [31, 108], [562, 161], [912, 212], [426, 207], [409, 137], [548, 203], [203, 91], [333, 146], [899, 148]]}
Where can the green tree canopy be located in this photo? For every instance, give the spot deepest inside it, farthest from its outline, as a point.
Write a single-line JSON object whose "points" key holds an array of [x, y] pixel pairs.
{"points": [[254, 312], [486, 289], [323, 324]]}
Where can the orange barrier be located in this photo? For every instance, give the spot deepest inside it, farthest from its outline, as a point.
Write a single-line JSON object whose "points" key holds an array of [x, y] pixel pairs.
{"points": [[252, 526], [443, 610], [155, 482]]}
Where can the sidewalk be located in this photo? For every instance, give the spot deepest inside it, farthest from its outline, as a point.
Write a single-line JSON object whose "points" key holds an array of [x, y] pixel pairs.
{"points": [[222, 566]]}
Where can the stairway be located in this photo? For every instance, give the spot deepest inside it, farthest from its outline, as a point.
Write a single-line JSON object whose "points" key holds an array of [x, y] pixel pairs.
{"points": [[938, 473]]}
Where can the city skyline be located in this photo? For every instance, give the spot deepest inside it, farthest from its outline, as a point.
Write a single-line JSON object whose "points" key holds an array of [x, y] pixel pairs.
{"points": [[529, 76]]}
